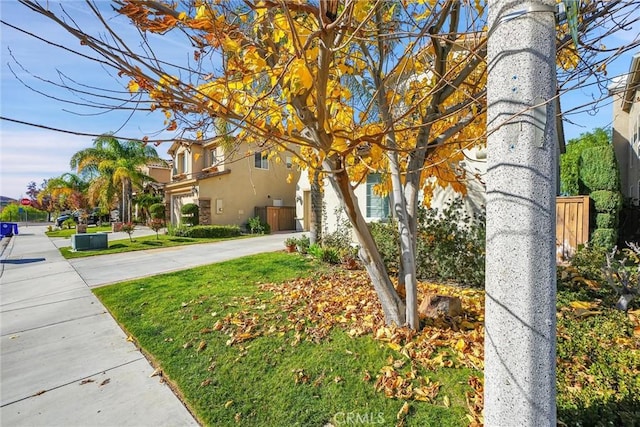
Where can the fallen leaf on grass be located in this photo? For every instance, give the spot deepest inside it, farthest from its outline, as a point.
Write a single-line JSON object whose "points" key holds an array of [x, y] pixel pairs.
{"points": [[446, 402], [201, 346], [229, 403], [583, 305], [404, 410]]}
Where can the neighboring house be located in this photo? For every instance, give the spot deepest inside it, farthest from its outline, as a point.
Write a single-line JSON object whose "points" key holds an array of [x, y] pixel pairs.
{"points": [[626, 129], [161, 173], [377, 208], [230, 187]]}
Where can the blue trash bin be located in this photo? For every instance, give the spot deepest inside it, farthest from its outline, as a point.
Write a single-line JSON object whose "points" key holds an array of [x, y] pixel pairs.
{"points": [[8, 229]]}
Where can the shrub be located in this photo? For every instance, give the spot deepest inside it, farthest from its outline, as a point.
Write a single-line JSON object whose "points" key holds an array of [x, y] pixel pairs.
{"points": [[315, 251], [607, 201], [325, 254], [69, 222], [256, 226], [598, 170], [569, 170], [340, 238], [302, 244], [205, 231], [129, 228], [156, 211], [190, 214], [156, 224], [588, 260], [386, 236], [604, 237], [330, 255], [606, 220], [291, 241], [622, 272], [450, 245]]}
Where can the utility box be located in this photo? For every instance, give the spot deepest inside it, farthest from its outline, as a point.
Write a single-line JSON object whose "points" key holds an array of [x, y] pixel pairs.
{"points": [[89, 242]]}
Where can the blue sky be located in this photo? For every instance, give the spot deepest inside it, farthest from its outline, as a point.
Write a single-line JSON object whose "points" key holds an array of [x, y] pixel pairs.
{"points": [[32, 154]]}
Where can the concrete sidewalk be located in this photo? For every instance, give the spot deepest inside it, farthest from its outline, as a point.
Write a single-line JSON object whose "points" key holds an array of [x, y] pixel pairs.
{"points": [[64, 360]]}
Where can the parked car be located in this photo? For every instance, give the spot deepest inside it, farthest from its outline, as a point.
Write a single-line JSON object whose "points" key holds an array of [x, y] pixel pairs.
{"points": [[93, 218]]}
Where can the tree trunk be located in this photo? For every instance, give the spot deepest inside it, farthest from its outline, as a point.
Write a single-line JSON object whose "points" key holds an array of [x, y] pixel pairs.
{"points": [[315, 222], [123, 205], [407, 244], [392, 304]]}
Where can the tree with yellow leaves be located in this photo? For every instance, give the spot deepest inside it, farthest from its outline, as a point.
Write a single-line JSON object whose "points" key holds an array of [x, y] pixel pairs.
{"points": [[349, 87]]}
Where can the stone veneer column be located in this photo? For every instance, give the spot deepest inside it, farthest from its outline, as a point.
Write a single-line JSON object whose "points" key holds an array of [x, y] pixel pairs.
{"points": [[204, 211]]}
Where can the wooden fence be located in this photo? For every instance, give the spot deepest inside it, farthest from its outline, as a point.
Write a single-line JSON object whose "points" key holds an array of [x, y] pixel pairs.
{"points": [[572, 225], [279, 218]]}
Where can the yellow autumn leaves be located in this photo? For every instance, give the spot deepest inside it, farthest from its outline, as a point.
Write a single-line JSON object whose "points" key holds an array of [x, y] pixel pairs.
{"points": [[308, 309]]}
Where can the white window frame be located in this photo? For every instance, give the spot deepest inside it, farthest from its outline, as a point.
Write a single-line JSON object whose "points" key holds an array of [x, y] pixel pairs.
{"points": [[377, 207], [260, 160], [213, 157]]}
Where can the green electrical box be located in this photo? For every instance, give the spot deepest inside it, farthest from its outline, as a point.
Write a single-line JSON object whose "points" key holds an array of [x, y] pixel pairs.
{"points": [[89, 242]]}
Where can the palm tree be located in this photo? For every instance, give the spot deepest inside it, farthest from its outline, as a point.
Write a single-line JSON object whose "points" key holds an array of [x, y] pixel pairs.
{"points": [[114, 169]]}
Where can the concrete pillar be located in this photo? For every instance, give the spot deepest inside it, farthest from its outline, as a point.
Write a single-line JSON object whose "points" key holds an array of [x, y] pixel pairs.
{"points": [[520, 312]]}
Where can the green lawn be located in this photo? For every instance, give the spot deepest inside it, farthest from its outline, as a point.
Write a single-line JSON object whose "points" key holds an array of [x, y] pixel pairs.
{"points": [[141, 243], [68, 232], [278, 340], [270, 377]]}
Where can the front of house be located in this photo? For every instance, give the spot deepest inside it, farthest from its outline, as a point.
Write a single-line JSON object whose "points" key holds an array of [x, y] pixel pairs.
{"points": [[228, 186], [378, 208]]}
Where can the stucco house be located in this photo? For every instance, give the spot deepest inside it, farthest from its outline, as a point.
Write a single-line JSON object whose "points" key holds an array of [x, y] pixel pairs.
{"points": [[231, 185], [377, 208], [626, 129]]}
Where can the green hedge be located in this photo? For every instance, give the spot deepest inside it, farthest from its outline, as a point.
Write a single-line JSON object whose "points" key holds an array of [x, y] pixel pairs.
{"points": [[607, 201], [598, 170], [606, 220], [157, 211], [206, 231], [190, 214], [604, 237]]}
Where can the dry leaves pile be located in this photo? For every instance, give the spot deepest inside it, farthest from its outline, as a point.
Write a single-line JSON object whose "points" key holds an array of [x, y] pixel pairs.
{"points": [[308, 309]]}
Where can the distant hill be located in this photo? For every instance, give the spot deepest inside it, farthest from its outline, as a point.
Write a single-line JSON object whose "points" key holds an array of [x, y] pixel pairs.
{"points": [[6, 200]]}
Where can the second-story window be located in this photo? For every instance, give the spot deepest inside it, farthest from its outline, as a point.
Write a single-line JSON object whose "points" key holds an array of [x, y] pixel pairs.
{"points": [[213, 157], [181, 163], [261, 161], [185, 163]]}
